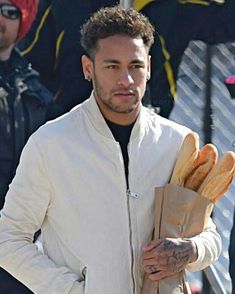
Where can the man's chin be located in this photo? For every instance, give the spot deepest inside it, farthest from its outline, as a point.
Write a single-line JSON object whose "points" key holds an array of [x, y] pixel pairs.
{"points": [[123, 110]]}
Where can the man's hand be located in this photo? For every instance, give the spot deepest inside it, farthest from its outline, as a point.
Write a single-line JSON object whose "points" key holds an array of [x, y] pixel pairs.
{"points": [[166, 257]]}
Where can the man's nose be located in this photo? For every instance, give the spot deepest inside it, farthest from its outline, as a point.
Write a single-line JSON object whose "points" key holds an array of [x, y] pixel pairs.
{"points": [[125, 79]]}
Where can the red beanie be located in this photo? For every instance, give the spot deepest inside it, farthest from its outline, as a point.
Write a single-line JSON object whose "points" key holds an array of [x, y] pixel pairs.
{"points": [[28, 10]]}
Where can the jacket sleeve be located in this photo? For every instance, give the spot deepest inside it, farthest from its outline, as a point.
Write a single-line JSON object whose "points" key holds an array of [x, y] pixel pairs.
{"points": [[209, 247], [23, 214]]}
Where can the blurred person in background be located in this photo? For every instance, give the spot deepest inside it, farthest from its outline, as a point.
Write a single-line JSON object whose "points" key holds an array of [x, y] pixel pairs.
{"points": [[232, 255], [54, 37], [230, 83], [178, 23], [24, 102]]}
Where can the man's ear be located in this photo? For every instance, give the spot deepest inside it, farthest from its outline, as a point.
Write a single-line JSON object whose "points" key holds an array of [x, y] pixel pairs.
{"points": [[87, 67]]}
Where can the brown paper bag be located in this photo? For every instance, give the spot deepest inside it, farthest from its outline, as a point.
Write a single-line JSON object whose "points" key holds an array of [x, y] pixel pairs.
{"points": [[179, 213]]}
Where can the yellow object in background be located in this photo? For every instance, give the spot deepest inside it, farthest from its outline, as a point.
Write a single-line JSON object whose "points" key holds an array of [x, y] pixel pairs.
{"points": [[139, 4]]}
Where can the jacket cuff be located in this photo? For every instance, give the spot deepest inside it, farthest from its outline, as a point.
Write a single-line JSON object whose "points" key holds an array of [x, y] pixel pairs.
{"points": [[196, 265]]}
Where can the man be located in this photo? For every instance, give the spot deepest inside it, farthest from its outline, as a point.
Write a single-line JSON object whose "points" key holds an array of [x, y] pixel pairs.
{"points": [[82, 179], [54, 36], [23, 99]]}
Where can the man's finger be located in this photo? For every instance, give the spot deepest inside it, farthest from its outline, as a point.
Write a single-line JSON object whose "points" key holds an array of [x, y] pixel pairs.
{"points": [[150, 261], [151, 269], [160, 275], [151, 245], [149, 255]]}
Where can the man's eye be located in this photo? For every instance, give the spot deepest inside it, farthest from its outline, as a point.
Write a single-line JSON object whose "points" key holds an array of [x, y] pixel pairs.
{"points": [[111, 66], [137, 66]]}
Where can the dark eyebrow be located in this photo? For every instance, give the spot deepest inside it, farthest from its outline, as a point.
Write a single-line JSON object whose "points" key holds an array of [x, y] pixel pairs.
{"points": [[114, 61], [137, 61], [111, 61]]}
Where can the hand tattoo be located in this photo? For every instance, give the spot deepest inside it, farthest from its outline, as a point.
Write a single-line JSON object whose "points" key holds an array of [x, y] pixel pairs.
{"points": [[177, 253]]}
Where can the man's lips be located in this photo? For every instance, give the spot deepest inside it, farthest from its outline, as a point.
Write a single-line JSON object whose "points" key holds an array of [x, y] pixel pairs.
{"points": [[124, 93]]}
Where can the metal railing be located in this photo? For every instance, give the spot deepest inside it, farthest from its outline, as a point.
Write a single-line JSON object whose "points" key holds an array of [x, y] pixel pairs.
{"points": [[214, 280]]}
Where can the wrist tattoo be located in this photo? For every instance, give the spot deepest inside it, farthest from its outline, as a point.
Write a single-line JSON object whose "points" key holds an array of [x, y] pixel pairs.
{"points": [[178, 254]]}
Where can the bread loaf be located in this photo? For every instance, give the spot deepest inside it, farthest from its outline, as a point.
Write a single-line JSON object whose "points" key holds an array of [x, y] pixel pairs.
{"points": [[208, 156], [219, 178], [186, 159]]}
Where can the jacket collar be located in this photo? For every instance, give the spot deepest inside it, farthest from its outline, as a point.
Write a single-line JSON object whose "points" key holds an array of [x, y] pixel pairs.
{"points": [[97, 120], [16, 63]]}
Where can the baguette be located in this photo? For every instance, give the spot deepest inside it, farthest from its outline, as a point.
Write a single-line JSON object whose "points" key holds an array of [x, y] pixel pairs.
{"points": [[219, 178], [208, 156], [186, 159]]}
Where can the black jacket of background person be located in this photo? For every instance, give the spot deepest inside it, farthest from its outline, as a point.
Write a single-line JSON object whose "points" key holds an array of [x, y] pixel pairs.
{"points": [[232, 255], [23, 105], [53, 47], [178, 22]]}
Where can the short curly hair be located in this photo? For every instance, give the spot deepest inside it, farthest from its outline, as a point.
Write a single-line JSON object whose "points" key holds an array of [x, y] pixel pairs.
{"points": [[115, 20]]}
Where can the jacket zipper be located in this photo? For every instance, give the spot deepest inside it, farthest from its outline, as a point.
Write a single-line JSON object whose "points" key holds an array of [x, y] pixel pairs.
{"points": [[129, 194]]}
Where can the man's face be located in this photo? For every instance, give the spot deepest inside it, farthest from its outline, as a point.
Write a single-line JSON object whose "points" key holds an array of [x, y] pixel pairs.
{"points": [[8, 30], [119, 73]]}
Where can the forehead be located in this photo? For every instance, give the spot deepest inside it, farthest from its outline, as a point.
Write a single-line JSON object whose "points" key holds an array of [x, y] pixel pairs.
{"points": [[122, 48]]}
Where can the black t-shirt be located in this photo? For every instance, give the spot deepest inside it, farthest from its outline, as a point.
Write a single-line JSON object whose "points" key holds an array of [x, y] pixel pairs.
{"points": [[122, 135]]}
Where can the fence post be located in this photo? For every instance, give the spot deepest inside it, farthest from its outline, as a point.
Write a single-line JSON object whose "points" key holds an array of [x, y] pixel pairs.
{"points": [[207, 131], [208, 112]]}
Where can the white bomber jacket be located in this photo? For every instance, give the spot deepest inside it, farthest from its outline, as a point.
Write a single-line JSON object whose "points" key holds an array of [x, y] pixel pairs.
{"points": [[71, 184]]}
